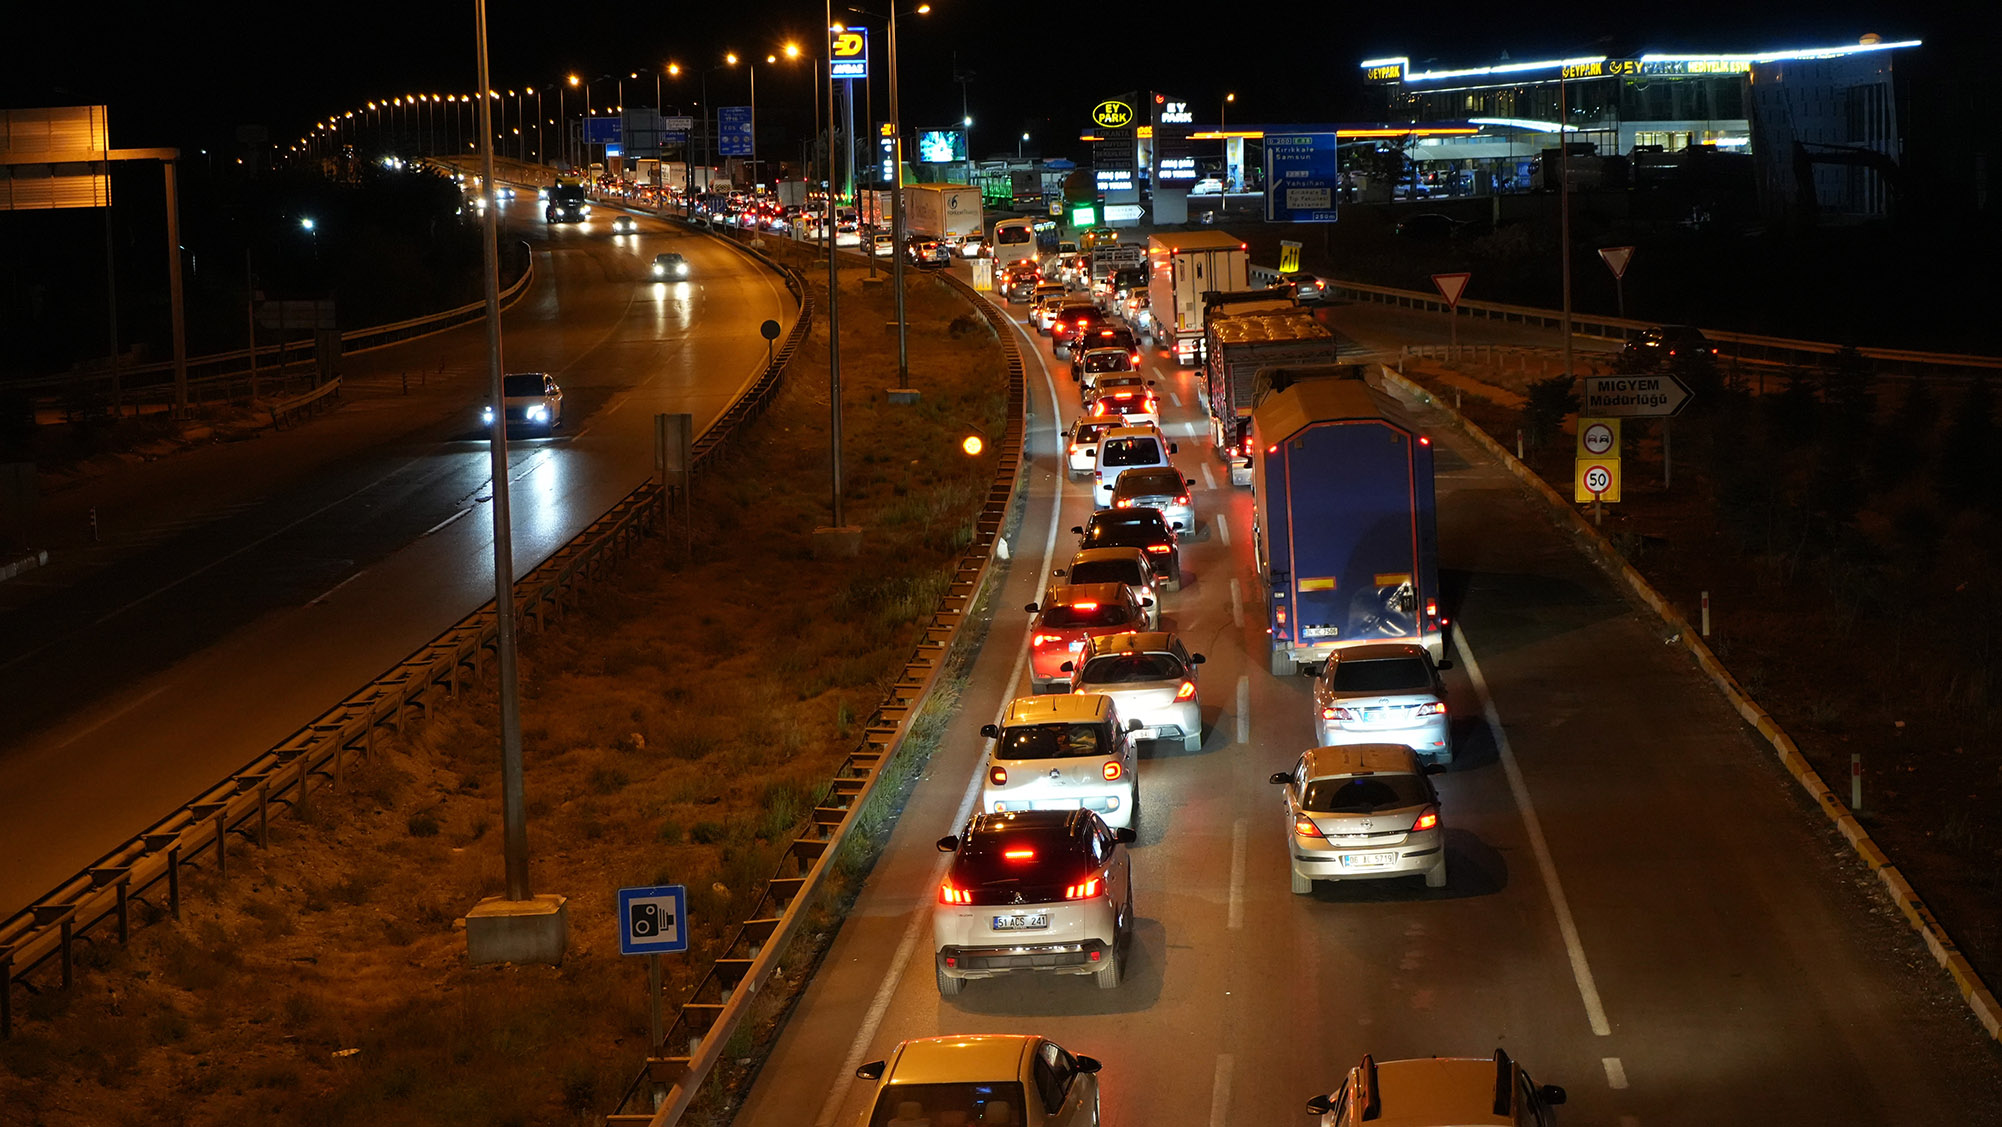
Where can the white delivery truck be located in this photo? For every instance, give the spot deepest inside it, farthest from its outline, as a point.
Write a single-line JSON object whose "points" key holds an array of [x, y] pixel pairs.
{"points": [[949, 213], [1181, 267]]}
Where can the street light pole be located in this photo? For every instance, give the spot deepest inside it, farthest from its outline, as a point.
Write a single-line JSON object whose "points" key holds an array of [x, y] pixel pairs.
{"points": [[897, 237], [833, 289]]}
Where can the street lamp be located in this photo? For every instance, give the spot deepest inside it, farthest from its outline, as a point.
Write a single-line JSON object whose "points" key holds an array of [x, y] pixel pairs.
{"points": [[1222, 122], [1019, 144], [896, 125]]}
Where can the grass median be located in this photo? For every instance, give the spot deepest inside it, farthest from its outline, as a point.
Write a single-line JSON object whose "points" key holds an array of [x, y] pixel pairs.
{"points": [[677, 727]]}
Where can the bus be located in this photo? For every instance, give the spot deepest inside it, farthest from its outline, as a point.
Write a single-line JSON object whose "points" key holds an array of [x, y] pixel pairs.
{"points": [[1014, 241]]}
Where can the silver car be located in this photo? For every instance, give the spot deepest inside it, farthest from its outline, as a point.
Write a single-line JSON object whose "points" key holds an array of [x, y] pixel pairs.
{"points": [[1044, 315], [1064, 752], [1151, 680], [1164, 489], [1388, 692], [1364, 812], [529, 399]]}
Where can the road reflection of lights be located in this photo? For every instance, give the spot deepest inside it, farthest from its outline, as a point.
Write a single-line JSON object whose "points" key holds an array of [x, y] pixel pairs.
{"points": [[540, 500]]}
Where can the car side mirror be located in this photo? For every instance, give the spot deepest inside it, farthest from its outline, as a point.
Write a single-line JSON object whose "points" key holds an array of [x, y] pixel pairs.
{"points": [[1197, 659], [1125, 835], [1320, 1105], [1445, 664], [1031, 608], [1133, 725], [1067, 667], [1280, 778], [1174, 449], [1146, 602], [946, 844], [991, 731], [1087, 1064], [872, 1071], [1549, 1093], [1059, 573], [1077, 529], [1150, 383]]}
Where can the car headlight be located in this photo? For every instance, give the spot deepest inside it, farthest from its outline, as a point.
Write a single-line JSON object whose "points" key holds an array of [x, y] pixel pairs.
{"points": [[486, 414], [682, 271], [657, 270], [538, 413]]}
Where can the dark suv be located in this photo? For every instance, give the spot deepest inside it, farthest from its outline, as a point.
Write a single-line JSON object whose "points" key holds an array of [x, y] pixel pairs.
{"points": [[1144, 529]]}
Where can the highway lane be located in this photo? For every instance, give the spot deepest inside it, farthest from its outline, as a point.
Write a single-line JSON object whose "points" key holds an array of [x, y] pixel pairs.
{"points": [[1640, 908], [250, 586]]}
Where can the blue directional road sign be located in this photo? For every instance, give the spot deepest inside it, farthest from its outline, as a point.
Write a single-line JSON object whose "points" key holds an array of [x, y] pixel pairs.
{"points": [[733, 131], [653, 921], [1302, 181], [848, 53], [604, 130]]}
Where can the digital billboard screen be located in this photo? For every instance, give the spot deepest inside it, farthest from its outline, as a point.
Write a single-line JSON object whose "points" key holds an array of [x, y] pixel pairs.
{"points": [[940, 146]]}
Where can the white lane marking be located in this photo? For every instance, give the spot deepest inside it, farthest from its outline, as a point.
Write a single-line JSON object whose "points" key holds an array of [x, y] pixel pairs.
{"points": [[1581, 970], [465, 512], [872, 1021], [1236, 879], [1243, 709], [1223, 530], [1220, 1090], [1175, 399], [1616, 1073], [1209, 479], [1236, 604], [113, 716], [328, 593]]}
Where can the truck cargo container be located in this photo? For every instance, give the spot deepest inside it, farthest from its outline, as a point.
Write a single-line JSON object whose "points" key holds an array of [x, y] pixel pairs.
{"points": [[1181, 267], [1235, 346]]}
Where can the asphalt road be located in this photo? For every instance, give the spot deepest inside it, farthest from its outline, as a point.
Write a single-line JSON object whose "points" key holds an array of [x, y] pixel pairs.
{"points": [[1640, 907], [239, 590]]}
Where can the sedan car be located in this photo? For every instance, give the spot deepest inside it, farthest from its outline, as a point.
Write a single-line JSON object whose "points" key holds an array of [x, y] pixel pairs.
{"points": [[882, 245], [1043, 312], [529, 399], [1438, 1092], [1151, 680], [1364, 812], [668, 267], [1165, 490], [1136, 528], [1074, 312], [1046, 890], [983, 1079], [1129, 406], [1082, 447], [1387, 692], [1069, 615], [930, 252], [625, 225], [1116, 565], [1069, 752], [1304, 288]]}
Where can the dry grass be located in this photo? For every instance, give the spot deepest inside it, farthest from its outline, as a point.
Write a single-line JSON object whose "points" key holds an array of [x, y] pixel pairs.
{"points": [[676, 729]]}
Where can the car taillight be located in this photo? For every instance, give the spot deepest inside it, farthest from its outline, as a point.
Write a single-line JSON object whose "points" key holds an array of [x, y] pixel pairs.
{"points": [[1082, 891], [1160, 549], [1428, 819], [1431, 608], [1045, 639], [998, 776], [1019, 854], [1112, 770], [1136, 359], [1182, 500], [1304, 826], [1187, 691], [1123, 503], [1336, 714], [950, 895], [1436, 708]]}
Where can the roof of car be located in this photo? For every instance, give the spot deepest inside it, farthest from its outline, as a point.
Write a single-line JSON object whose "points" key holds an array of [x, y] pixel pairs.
{"points": [[1142, 431], [1376, 651], [1062, 708], [1330, 762], [1102, 555], [1066, 593], [1433, 1090], [947, 1060], [1146, 642]]}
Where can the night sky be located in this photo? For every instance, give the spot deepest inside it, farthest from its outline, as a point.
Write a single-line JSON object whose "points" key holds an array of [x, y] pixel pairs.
{"points": [[188, 75]]}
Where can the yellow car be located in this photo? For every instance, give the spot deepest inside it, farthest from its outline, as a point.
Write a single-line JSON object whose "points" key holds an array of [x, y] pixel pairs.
{"points": [[982, 1080]]}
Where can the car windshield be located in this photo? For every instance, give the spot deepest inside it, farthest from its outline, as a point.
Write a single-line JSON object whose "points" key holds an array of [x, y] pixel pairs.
{"points": [[1130, 452], [1129, 572], [943, 1105], [1381, 675], [1364, 794], [1074, 615], [530, 384], [1107, 360], [1052, 741], [668, 259], [1128, 669], [1149, 483]]}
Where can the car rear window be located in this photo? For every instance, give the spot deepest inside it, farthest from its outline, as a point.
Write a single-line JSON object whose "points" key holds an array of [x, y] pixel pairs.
{"points": [[1126, 523], [530, 384], [940, 1105], [1089, 432], [1129, 669], [1130, 452], [1009, 236], [1149, 483], [1129, 572], [1071, 616], [1364, 794], [1381, 675], [1053, 741], [1106, 360]]}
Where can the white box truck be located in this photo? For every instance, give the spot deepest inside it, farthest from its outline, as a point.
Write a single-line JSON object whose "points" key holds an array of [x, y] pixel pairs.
{"points": [[947, 212], [1181, 267]]}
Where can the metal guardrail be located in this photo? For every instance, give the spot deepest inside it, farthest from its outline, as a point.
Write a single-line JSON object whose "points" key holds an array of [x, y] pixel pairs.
{"points": [[1746, 347], [226, 369], [722, 998], [285, 408], [150, 863]]}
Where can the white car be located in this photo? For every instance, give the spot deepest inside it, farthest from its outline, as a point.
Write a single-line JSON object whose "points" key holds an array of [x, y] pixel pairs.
{"points": [[1130, 406], [1127, 448], [882, 245], [1384, 692], [1082, 445], [625, 225], [1063, 752], [1041, 890], [529, 399], [1151, 679], [982, 1080]]}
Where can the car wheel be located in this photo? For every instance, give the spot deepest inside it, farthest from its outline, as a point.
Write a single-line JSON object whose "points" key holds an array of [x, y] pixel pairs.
{"points": [[1436, 878], [1192, 742], [948, 986], [1301, 885], [1109, 969]]}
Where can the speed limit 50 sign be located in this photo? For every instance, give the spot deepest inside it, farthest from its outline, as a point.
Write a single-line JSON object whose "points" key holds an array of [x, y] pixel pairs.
{"points": [[1598, 480]]}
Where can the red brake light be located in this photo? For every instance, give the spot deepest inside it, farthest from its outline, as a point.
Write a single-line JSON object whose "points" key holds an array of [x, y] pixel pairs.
{"points": [[1424, 440], [1046, 639], [1112, 770], [950, 895], [1123, 502], [1136, 358], [998, 776], [1332, 713], [1304, 826], [1187, 691], [1084, 606], [1435, 708], [1431, 608], [1182, 500], [1427, 820], [1019, 854], [1160, 549], [1082, 891]]}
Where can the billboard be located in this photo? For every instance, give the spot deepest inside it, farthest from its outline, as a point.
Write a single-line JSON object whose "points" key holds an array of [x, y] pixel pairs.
{"points": [[733, 131], [46, 158], [941, 146], [848, 53]]}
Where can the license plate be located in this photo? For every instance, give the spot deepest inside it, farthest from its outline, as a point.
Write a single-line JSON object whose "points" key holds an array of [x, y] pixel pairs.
{"points": [[1029, 922], [1367, 860]]}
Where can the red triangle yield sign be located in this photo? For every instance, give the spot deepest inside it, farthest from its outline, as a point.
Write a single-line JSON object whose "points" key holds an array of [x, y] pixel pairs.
{"points": [[1451, 286]]}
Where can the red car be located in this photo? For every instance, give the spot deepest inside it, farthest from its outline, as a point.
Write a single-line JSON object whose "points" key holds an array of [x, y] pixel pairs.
{"points": [[1070, 614]]}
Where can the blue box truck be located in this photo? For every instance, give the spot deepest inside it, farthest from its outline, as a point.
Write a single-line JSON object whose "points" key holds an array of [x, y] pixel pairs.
{"points": [[1347, 533]]}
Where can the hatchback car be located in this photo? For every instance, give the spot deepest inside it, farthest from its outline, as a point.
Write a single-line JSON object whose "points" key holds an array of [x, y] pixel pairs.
{"points": [[1067, 617], [1044, 315], [989, 1080], [1364, 812], [1116, 565], [1075, 312], [1087, 366], [1665, 344], [1387, 692], [1127, 448], [528, 399], [1021, 281], [669, 267], [1305, 288], [1082, 448], [624, 225], [1131, 406], [1151, 680], [1136, 528], [882, 245], [1046, 890], [1439, 1092], [1069, 752], [1165, 490], [930, 252]]}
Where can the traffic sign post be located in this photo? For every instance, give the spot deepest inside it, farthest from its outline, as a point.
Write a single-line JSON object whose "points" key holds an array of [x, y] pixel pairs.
{"points": [[1597, 477], [653, 921], [1451, 286], [1289, 256], [1634, 397], [1616, 259], [1598, 438]]}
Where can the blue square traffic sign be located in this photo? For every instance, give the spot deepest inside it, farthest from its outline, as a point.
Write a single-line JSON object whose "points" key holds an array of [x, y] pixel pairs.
{"points": [[654, 920]]}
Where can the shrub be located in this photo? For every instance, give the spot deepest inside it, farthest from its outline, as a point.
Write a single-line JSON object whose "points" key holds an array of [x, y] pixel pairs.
{"points": [[1549, 401]]}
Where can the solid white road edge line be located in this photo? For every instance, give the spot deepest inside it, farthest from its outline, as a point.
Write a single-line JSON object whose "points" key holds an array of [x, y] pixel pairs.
{"points": [[102, 721], [1243, 709], [1236, 879], [1237, 604], [1566, 926], [1223, 530], [1616, 1073], [880, 1004], [1220, 1090]]}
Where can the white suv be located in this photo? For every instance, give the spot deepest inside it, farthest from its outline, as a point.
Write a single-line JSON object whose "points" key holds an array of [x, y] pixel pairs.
{"points": [[1047, 890], [1127, 448]]}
